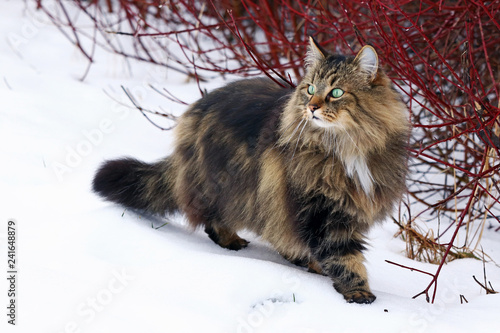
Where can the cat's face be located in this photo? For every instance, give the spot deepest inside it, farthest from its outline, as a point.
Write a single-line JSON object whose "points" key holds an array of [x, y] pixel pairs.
{"points": [[332, 91], [343, 103]]}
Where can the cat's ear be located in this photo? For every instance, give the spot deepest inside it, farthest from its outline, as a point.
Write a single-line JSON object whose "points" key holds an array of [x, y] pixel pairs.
{"points": [[367, 60], [315, 53]]}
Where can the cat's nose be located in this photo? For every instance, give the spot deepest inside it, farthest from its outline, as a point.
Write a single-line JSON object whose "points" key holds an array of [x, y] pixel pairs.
{"points": [[313, 107]]}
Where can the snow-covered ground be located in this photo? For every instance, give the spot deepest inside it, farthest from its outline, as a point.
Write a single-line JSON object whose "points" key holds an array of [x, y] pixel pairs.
{"points": [[85, 265]]}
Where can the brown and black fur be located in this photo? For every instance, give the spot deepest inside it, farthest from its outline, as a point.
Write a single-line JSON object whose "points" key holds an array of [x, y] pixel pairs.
{"points": [[308, 173]]}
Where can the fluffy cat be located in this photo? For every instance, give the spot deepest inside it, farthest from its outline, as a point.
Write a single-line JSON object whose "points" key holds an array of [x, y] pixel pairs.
{"points": [[308, 169]]}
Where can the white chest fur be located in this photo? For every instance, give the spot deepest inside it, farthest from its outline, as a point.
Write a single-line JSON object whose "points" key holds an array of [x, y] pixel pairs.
{"points": [[356, 167]]}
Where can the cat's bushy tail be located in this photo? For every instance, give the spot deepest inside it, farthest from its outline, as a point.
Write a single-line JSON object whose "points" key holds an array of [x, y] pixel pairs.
{"points": [[138, 185]]}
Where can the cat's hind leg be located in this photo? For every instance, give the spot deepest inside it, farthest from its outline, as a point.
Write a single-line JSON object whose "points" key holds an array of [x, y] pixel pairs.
{"points": [[312, 265], [225, 237]]}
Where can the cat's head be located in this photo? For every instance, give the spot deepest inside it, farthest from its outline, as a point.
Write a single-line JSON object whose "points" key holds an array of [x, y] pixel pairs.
{"points": [[345, 95]]}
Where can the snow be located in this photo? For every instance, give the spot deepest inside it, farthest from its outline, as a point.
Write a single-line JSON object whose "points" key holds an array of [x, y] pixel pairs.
{"points": [[85, 265]]}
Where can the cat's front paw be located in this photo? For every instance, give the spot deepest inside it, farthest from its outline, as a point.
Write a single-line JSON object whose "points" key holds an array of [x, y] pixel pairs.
{"points": [[359, 296]]}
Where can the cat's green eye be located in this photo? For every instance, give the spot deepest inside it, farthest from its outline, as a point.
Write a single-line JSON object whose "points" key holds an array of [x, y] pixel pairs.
{"points": [[310, 90], [337, 92]]}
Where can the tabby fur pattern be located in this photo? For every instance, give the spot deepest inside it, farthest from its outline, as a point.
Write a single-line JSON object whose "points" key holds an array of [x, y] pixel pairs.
{"points": [[307, 170]]}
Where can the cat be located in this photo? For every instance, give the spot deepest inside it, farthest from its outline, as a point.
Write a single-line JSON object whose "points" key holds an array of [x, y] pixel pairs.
{"points": [[308, 169]]}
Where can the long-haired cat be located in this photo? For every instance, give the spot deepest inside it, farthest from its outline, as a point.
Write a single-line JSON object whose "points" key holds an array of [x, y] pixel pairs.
{"points": [[308, 169]]}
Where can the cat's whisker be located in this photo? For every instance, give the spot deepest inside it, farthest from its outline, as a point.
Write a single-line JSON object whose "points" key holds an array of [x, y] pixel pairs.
{"points": [[329, 144], [284, 131], [292, 135], [294, 131], [282, 150], [331, 139], [346, 132], [328, 140], [298, 138]]}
